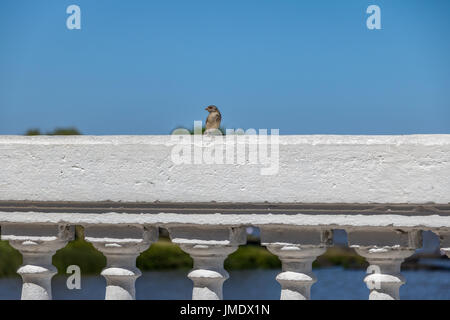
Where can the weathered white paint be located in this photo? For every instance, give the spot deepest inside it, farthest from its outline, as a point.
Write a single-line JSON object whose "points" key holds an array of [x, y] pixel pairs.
{"points": [[343, 171], [313, 169], [208, 247], [385, 251], [297, 249], [121, 246], [37, 244], [425, 222]]}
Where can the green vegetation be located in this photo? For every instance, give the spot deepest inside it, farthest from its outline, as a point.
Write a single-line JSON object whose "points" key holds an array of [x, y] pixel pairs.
{"points": [[56, 132], [341, 256], [10, 260], [252, 257], [82, 254], [163, 255]]}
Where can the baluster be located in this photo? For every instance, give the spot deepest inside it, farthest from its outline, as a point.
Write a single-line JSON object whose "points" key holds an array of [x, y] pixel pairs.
{"points": [[297, 248], [37, 244], [121, 245], [208, 247], [385, 251]]}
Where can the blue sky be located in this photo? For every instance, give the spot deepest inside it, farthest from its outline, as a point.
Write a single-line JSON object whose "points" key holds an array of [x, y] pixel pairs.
{"points": [[304, 67]]}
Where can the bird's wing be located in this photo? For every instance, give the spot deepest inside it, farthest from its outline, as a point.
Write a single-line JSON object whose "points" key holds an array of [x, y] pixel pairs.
{"points": [[218, 117], [213, 120]]}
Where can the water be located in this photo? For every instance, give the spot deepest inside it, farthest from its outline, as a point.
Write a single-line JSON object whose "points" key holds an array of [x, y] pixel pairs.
{"points": [[334, 283]]}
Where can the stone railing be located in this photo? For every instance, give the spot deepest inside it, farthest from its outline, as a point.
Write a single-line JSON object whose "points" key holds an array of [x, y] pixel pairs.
{"points": [[382, 190]]}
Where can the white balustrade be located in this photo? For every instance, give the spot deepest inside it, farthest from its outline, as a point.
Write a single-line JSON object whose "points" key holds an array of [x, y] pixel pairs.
{"points": [[37, 244], [121, 245], [208, 247], [385, 251], [383, 190], [297, 248]]}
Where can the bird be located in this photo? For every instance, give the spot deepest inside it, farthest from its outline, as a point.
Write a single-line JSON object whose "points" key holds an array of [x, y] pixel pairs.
{"points": [[213, 119]]}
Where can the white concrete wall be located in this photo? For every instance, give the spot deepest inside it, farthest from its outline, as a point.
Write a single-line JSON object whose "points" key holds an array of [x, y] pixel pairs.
{"points": [[312, 169]]}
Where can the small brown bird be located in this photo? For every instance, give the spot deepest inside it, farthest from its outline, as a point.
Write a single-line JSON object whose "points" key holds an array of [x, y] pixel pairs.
{"points": [[213, 119]]}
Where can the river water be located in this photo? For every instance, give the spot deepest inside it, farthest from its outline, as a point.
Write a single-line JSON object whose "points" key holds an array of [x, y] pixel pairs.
{"points": [[333, 283]]}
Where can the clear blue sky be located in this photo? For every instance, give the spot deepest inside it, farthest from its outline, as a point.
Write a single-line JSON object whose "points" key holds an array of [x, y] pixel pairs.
{"points": [[304, 67]]}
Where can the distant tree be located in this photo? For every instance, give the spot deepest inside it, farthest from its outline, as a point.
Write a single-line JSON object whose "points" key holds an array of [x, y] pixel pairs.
{"points": [[57, 132], [33, 132], [65, 132]]}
